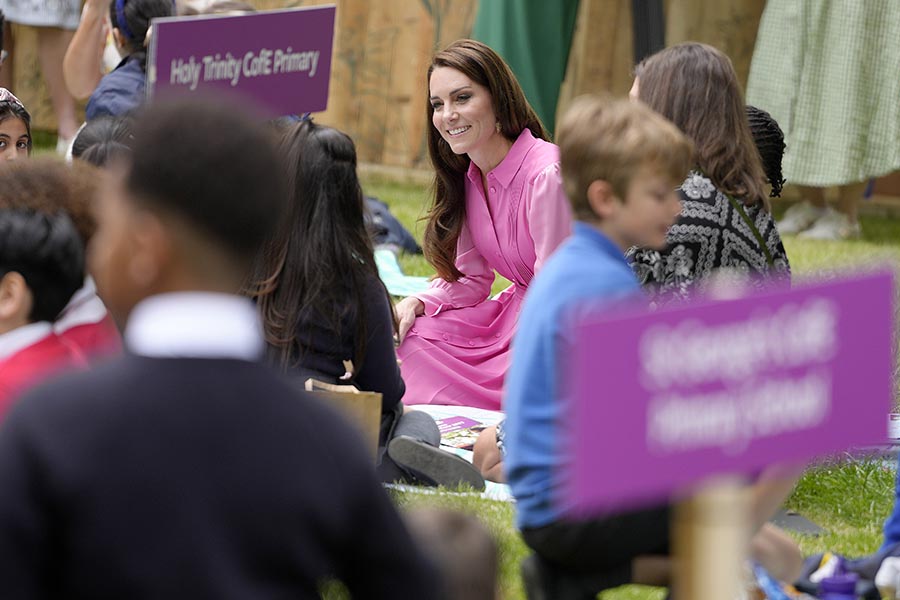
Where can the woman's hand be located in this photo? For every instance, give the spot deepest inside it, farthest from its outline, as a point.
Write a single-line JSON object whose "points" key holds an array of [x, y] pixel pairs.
{"points": [[407, 310]]}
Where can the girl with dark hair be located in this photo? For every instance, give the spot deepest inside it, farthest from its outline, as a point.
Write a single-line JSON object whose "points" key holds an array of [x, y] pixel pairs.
{"points": [[103, 139], [122, 90], [323, 306], [15, 127], [86, 322], [769, 140], [725, 223], [53, 24], [499, 205]]}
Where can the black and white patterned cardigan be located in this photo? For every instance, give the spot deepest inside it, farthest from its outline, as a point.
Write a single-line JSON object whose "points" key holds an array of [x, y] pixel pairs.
{"points": [[710, 235]]}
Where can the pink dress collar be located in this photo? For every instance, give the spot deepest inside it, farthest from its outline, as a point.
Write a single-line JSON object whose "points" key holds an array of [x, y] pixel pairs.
{"points": [[511, 163]]}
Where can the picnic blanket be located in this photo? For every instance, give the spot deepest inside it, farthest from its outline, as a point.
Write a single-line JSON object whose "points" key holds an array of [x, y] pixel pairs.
{"points": [[459, 426]]}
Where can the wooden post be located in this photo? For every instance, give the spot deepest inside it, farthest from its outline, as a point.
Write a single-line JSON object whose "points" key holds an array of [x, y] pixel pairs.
{"points": [[730, 26], [710, 538]]}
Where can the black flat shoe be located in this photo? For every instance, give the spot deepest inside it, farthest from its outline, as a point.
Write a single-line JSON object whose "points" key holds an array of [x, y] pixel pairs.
{"points": [[434, 465]]}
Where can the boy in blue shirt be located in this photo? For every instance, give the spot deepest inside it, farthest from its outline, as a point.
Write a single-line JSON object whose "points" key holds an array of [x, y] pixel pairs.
{"points": [[621, 164]]}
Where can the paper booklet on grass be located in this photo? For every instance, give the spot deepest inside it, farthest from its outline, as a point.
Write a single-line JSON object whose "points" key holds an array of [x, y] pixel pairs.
{"points": [[460, 425], [363, 409]]}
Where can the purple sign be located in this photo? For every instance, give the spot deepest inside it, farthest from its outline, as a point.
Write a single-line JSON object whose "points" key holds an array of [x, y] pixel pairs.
{"points": [[665, 400], [280, 60], [455, 424]]}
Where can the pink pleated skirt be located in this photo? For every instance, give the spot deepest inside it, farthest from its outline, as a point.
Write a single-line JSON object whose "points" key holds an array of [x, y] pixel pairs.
{"points": [[460, 356]]}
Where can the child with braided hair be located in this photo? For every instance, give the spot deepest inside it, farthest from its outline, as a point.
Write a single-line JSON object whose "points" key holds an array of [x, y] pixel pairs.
{"points": [[769, 141]]}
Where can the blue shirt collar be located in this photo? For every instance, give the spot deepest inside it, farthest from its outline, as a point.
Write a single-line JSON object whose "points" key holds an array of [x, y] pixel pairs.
{"points": [[598, 240]]}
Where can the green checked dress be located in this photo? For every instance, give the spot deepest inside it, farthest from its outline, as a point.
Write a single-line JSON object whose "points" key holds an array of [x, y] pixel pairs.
{"points": [[829, 72]]}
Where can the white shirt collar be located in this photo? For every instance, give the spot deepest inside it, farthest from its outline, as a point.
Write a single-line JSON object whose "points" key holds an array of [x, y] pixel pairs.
{"points": [[22, 337], [195, 325], [85, 308]]}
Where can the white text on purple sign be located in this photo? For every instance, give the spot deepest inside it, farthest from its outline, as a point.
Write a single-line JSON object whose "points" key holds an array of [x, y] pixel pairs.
{"points": [[722, 386], [265, 62]]}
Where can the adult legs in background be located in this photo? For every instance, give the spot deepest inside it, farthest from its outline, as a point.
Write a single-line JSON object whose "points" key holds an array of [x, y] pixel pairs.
{"points": [[814, 195], [814, 219], [52, 44], [6, 72], [848, 199], [803, 215]]}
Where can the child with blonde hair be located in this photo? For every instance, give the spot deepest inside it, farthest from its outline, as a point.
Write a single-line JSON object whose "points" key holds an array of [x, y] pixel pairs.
{"points": [[621, 163]]}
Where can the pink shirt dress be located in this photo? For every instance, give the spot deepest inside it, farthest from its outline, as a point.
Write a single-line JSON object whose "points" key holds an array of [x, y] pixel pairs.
{"points": [[457, 353]]}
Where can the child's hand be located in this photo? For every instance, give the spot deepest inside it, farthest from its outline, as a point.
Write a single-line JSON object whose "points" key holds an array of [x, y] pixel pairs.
{"points": [[407, 310]]}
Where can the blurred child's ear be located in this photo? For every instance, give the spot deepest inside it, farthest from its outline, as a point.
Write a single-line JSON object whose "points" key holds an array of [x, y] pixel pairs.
{"points": [[152, 252], [602, 198], [119, 40], [15, 301]]}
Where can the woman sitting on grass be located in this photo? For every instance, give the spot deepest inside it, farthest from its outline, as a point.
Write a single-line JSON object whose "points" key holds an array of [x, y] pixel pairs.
{"points": [[323, 305], [498, 206]]}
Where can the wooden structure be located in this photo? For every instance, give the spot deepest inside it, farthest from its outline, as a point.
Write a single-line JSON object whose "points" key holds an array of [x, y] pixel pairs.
{"points": [[383, 47]]}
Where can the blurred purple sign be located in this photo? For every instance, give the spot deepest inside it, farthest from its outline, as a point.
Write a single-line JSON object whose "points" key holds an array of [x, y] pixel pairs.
{"points": [[665, 400], [280, 60]]}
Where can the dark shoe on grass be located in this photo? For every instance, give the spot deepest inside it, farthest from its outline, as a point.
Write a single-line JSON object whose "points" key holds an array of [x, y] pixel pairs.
{"points": [[433, 464], [543, 582]]}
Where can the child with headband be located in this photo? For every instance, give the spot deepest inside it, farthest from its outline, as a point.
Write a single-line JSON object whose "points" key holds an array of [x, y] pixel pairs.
{"points": [[15, 127]]}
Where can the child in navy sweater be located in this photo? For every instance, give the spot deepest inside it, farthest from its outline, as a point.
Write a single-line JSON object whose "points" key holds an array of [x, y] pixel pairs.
{"points": [[187, 469]]}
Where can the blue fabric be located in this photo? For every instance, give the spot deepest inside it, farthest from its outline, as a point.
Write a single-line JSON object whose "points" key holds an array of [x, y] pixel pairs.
{"points": [[392, 276], [586, 271], [892, 525], [119, 92]]}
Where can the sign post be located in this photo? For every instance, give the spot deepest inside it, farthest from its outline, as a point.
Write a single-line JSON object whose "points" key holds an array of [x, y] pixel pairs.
{"points": [[725, 388], [278, 60], [710, 533]]}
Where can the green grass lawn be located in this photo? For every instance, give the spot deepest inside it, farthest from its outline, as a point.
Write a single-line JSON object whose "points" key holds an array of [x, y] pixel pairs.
{"points": [[849, 499]]}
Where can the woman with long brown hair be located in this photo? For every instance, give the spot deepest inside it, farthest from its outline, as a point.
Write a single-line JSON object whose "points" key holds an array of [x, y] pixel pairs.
{"points": [[725, 222], [499, 205]]}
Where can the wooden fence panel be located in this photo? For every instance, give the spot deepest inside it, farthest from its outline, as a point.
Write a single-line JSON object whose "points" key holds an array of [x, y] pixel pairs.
{"points": [[383, 48]]}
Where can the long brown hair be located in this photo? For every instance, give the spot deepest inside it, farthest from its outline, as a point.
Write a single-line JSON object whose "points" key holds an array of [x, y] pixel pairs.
{"points": [[448, 209], [695, 86]]}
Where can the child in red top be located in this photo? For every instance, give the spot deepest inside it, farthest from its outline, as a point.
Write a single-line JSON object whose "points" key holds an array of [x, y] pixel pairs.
{"points": [[35, 361], [41, 266], [86, 325]]}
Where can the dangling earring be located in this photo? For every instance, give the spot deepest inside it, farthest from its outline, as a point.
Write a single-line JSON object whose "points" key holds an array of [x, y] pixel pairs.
{"points": [[498, 127]]}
